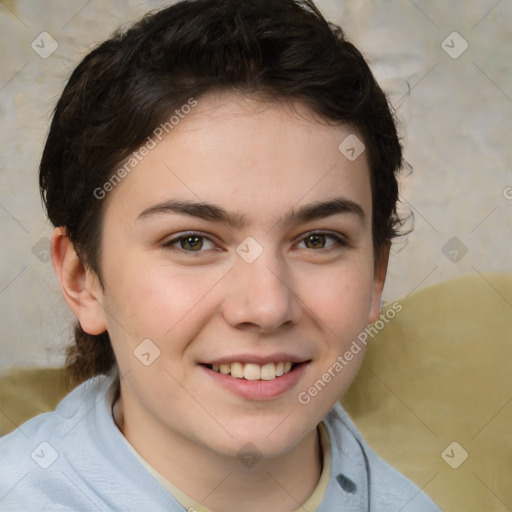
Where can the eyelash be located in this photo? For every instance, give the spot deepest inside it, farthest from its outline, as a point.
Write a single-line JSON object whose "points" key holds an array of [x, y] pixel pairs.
{"points": [[339, 241]]}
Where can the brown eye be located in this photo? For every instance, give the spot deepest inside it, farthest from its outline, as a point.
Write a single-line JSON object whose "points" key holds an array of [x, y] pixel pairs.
{"points": [[191, 243], [315, 241], [322, 241]]}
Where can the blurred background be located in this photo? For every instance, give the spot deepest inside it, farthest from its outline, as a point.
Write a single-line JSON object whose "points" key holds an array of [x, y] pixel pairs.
{"points": [[446, 67]]}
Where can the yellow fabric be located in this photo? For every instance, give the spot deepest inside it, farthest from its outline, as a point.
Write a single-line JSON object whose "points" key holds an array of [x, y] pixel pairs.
{"points": [[25, 393], [313, 502], [440, 372], [311, 505]]}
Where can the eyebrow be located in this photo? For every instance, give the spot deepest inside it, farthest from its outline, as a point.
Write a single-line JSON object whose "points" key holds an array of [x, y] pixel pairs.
{"points": [[211, 212]]}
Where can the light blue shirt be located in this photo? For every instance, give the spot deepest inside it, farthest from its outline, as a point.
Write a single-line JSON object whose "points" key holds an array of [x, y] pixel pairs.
{"points": [[75, 458]]}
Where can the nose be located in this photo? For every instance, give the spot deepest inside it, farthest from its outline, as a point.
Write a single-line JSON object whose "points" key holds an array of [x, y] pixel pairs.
{"points": [[261, 296]]}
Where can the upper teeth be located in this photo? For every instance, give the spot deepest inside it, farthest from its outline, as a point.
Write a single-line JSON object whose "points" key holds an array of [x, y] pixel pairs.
{"points": [[252, 371]]}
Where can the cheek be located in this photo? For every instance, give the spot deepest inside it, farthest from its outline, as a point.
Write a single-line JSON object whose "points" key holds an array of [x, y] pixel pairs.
{"points": [[157, 300], [341, 299]]}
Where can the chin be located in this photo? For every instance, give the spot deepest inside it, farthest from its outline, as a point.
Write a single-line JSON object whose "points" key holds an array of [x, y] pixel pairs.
{"points": [[267, 437]]}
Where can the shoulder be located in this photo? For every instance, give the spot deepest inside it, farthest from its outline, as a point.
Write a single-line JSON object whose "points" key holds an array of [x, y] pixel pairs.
{"points": [[75, 458], [54, 424], [35, 453], [387, 489], [73, 405]]}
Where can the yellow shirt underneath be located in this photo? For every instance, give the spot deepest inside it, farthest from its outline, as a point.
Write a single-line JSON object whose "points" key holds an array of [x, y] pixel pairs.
{"points": [[311, 504]]}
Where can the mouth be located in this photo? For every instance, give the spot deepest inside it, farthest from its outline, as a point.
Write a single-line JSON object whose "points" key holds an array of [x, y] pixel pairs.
{"points": [[256, 377], [253, 371]]}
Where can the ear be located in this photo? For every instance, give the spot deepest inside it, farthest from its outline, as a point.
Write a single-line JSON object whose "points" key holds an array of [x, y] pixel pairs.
{"points": [[80, 286], [379, 278]]}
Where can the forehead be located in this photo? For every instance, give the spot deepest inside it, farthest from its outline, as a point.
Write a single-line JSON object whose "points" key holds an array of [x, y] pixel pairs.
{"points": [[247, 154]]}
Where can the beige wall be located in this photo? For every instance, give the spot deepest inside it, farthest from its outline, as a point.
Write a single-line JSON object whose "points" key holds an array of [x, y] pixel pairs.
{"points": [[456, 124]]}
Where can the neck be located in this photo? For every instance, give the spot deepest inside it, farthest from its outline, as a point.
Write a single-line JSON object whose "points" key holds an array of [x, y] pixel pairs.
{"points": [[224, 483]]}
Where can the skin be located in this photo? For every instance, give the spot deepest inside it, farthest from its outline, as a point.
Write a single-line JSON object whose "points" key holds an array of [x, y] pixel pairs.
{"points": [[259, 161]]}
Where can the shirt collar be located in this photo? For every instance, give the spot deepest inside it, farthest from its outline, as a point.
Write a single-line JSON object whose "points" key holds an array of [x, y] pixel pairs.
{"points": [[350, 477]]}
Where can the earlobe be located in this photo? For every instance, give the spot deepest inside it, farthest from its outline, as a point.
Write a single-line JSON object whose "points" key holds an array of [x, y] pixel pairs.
{"points": [[379, 278], [79, 284]]}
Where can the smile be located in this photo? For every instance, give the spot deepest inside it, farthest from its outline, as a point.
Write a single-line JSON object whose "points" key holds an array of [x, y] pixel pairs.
{"points": [[253, 381], [253, 371]]}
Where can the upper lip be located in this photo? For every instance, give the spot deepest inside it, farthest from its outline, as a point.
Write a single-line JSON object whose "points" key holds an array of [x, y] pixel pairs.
{"points": [[258, 359]]}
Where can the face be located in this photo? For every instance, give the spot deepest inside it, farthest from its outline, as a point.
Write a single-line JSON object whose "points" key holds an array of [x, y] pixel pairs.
{"points": [[240, 250]]}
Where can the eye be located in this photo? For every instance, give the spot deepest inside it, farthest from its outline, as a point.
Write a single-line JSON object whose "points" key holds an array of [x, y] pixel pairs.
{"points": [[321, 241], [190, 242]]}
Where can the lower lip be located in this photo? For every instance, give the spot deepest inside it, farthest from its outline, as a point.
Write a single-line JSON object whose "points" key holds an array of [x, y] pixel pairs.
{"points": [[259, 389]]}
